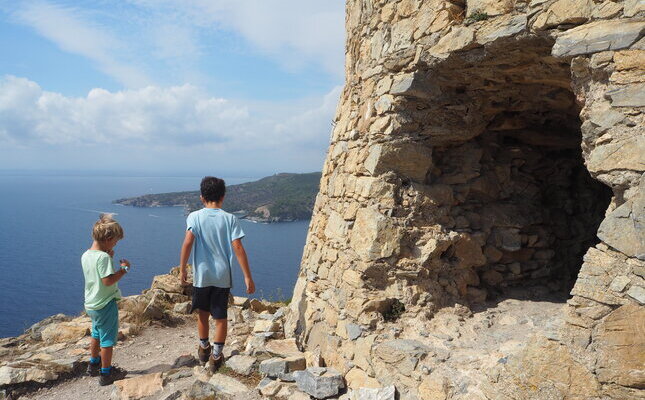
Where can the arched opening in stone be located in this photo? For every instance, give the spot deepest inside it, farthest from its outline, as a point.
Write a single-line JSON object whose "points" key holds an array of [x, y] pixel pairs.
{"points": [[503, 126]]}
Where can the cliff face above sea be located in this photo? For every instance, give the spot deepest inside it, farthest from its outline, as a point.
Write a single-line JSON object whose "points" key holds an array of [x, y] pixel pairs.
{"points": [[278, 198]]}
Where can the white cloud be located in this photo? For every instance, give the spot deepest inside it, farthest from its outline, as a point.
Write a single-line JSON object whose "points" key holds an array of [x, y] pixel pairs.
{"points": [[157, 118], [128, 40], [295, 32], [70, 29]]}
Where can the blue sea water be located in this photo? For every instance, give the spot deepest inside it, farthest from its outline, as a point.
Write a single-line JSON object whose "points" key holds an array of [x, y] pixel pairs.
{"points": [[45, 225]]}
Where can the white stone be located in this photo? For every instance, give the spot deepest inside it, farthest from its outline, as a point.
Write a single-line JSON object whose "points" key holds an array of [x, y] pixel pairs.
{"points": [[373, 235]]}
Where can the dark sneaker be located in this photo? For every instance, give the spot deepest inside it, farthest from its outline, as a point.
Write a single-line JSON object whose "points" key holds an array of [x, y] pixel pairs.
{"points": [[215, 362], [93, 369], [116, 374], [203, 353]]}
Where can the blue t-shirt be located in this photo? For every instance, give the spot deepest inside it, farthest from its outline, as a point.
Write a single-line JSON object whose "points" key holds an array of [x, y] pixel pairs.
{"points": [[212, 254]]}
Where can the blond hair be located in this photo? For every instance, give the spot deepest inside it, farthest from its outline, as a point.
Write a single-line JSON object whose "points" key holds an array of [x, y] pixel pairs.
{"points": [[106, 228]]}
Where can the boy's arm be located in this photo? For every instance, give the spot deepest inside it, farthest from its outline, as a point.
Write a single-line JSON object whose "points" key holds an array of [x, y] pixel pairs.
{"points": [[240, 253], [186, 248], [114, 278]]}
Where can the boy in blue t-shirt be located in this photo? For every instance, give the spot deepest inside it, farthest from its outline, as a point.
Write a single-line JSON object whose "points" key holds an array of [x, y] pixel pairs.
{"points": [[213, 235]]}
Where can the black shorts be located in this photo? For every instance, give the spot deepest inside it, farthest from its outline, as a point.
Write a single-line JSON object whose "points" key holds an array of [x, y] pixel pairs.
{"points": [[212, 299]]}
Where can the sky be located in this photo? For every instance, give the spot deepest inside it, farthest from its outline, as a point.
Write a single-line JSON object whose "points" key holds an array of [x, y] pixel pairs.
{"points": [[169, 87]]}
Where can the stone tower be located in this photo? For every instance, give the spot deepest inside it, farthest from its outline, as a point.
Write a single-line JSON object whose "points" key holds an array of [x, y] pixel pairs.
{"points": [[484, 149]]}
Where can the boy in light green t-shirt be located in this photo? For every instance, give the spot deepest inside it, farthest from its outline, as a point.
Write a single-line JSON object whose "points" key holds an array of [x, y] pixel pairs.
{"points": [[101, 294]]}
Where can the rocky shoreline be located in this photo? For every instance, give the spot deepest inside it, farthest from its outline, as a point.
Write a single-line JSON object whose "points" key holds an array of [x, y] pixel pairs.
{"points": [[282, 197]]}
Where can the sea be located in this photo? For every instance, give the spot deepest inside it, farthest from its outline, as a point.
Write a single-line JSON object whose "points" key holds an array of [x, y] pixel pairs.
{"points": [[45, 226]]}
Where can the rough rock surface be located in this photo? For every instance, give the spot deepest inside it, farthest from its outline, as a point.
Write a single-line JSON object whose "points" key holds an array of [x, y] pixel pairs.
{"points": [[482, 151]]}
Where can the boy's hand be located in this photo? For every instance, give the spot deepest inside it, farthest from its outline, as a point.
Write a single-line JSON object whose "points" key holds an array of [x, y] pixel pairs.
{"points": [[250, 285], [184, 277], [124, 262]]}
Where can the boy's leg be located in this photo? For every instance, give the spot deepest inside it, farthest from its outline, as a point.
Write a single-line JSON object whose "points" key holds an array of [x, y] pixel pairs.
{"points": [[201, 303], [221, 329], [202, 323], [94, 366], [94, 348], [106, 357], [219, 312]]}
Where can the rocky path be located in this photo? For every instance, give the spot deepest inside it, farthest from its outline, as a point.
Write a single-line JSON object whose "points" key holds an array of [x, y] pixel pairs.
{"points": [[155, 350], [466, 346], [456, 355]]}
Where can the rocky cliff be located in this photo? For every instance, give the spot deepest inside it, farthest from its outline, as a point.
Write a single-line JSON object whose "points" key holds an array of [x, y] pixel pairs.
{"points": [[484, 152]]}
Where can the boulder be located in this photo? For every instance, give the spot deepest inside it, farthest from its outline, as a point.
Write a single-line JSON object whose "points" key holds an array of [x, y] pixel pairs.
{"points": [[283, 347], [138, 387], [227, 385], [282, 368], [241, 301], [36, 329], [264, 325], [168, 283], [382, 393], [241, 364], [70, 331], [202, 391], [182, 308], [320, 382], [356, 378]]}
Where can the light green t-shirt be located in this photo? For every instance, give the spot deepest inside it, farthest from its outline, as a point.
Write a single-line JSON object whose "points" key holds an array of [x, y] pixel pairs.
{"points": [[96, 265]]}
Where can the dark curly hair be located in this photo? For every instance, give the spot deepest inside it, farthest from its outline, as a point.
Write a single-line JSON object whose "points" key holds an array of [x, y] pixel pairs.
{"points": [[212, 189]]}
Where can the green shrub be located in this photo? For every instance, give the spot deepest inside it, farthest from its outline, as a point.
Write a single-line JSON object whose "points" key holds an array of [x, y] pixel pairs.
{"points": [[476, 17], [394, 311]]}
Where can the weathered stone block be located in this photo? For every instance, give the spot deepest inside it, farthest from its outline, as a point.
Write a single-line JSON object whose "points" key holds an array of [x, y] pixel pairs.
{"points": [[624, 228], [488, 7], [501, 27], [410, 160], [241, 364], [620, 344], [598, 36], [404, 354], [374, 235], [628, 96], [282, 368], [378, 393], [564, 12], [139, 387], [320, 382]]}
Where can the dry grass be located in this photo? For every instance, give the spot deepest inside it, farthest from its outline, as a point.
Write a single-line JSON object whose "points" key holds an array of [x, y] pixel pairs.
{"points": [[133, 313], [252, 380]]}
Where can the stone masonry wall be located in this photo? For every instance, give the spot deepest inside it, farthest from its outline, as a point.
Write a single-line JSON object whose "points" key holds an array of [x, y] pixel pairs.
{"points": [[481, 146]]}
